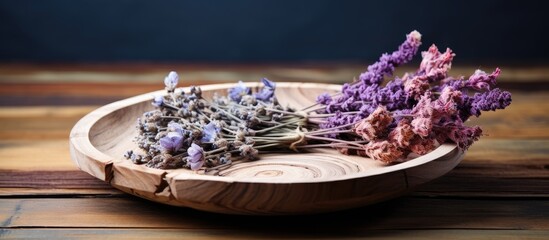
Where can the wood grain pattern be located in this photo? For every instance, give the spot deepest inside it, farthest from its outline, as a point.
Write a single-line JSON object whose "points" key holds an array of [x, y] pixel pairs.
{"points": [[199, 234], [400, 213], [498, 191], [315, 182]]}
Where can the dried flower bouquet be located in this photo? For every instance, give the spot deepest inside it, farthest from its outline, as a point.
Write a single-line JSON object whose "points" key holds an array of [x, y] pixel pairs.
{"points": [[389, 122]]}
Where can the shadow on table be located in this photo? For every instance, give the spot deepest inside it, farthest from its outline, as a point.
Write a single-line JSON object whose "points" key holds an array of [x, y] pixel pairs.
{"points": [[405, 213]]}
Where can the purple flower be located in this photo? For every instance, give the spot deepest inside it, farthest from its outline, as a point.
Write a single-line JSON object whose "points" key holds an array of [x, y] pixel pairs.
{"points": [[267, 92], [324, 99], [456, 84], [463, 135], [368, 87], [176, 127], [392, 95], [172, 142], [238, 91], [209, 132], [171, 81], [490, 101], [196, 159], [482, 81], [387, 62], [158, 100]]}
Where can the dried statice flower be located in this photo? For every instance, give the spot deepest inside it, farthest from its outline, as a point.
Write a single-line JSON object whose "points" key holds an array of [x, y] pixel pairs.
{"points": [[415, 86], [402, 134], [422, 146], [158, 100], [267, 92], [171, 81], [195, 158], [374, 125], [383, 151], [236, 93], [172, 142], [463, 135], [480, 80], [210, 132], [435, 65], [176, 127]]}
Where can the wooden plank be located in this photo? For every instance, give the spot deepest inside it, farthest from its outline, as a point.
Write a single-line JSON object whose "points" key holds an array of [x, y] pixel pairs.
{"points": [[12, 192], [39, 123], [32, 155], [308, 72], [248, 233], [491, 167], [402, 213], [50, 179]]}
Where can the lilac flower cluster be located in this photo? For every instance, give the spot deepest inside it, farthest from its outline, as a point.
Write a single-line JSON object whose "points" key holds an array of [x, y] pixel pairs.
{"points": [[367, 93], [413, 113]]}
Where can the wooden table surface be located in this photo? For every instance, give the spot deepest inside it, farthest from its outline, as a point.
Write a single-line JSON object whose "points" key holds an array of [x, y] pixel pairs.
{"points": [[499, 191]]}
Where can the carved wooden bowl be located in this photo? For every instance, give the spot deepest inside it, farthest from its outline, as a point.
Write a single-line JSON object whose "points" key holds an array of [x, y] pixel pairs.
{"points": [[322, 180]]}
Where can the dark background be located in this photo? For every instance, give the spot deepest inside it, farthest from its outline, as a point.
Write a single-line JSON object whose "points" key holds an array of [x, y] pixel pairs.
{"points": [[266, 31]]}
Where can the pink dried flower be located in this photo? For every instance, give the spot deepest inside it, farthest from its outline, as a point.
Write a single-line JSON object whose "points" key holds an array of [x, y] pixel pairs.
{"points": [[447, 103], [375, 124], [463, 135], [383, 151], [435, 65], [424, 107], [415, 86], [422, 146], [422, 126], [482, 81], [402, 134]]}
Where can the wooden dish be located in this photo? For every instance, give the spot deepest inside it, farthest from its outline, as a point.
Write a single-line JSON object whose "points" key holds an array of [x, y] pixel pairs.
{"points": [[277, 184]]}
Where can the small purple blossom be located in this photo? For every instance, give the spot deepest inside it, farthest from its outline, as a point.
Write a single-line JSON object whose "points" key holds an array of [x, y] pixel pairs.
{"points": [[209, 132], [176, 127], [392, 95], [158, 100], [195, 158], [324, 99], [238, 91], [267, 92], [480, 80], [172, 142], [171, 81]]}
